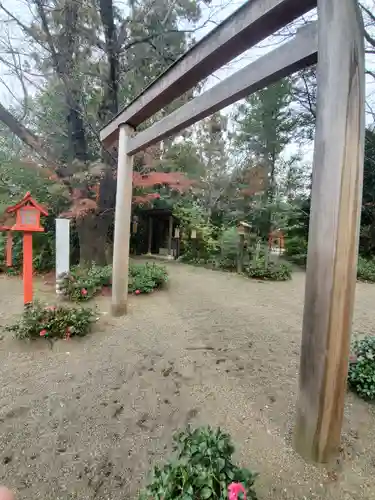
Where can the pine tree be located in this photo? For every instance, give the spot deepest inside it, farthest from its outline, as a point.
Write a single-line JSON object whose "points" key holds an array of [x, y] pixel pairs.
{"points": [[265, 125]]}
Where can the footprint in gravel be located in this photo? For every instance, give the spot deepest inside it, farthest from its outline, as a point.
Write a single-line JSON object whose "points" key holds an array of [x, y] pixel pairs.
{"points": [[191, 414], [167, 371], [220, 360], [141, 422], [7, 459], [272, 399], [17, 412], [118, 411]]}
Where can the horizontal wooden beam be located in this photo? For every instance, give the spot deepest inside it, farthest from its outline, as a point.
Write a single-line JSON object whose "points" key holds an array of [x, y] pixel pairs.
{"points": [[253, 22], [286, 59]]}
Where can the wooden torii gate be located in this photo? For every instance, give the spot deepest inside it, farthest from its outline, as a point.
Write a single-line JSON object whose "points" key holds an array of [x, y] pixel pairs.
{"points": [[337, 176]]}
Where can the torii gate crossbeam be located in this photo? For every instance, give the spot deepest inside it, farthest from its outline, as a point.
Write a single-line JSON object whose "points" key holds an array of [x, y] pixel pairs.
{"points": [[336, 187]]}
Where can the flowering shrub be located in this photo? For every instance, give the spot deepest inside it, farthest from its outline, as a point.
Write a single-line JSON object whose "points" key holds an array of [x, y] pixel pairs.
{"points": [[202, 469], [50, 322], [362, 368], [83, 284], [144, 278]]}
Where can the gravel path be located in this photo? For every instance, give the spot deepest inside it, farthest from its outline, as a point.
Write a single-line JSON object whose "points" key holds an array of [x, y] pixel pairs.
{"points": [[88, 419]]}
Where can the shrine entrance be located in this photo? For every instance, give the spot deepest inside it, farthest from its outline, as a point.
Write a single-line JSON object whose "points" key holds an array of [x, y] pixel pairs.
{"points": [[155, 234]]}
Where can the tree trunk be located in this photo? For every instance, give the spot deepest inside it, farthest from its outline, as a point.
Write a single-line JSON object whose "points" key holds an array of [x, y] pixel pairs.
{"points": [[26, 136]]}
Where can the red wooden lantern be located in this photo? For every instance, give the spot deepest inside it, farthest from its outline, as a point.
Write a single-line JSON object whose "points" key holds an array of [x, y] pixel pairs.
{"points": [[28, 213]]}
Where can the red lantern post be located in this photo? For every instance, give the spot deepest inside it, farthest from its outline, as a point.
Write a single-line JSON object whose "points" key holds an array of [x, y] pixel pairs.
{"points": [[28, 213]]}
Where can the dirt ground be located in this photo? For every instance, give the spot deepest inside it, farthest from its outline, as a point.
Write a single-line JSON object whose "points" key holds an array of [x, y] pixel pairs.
{"points": [[87, 419]]}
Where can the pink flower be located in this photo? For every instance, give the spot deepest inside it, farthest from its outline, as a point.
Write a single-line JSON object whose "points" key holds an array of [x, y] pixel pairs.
{"points": [[50, 308], [43, 333], [67, 333], [137, 292], [352, 358], [84, 291], [234, 490]]}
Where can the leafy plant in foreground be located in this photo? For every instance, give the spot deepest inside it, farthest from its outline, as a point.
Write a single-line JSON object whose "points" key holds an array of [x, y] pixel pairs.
{"points": [[38, 320], [202, 469], [361, 376]]}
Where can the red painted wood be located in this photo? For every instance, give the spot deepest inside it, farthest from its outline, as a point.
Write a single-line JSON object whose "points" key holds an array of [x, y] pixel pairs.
{"points": [[27, 268]]}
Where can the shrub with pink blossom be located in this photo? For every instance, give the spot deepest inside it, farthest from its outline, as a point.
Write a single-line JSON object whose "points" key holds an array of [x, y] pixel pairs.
{"points": [[51, 322], [203, 468]]}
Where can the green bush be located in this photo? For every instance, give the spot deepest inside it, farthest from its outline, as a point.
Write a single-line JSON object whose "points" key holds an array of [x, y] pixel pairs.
{"points": [[144, 278], [82, 284], [205, 246], [366, 269], [297, 245], [228, 249], [202, 469], [362, 368], [273, 271], [50, 322], [298, 259], [296, 250]]}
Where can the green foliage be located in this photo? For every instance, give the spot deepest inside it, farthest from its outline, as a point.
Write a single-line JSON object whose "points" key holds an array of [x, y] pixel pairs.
{"points": [[366, 269], [16, 179], [272, 271], [51, 322], [229, 249], [82, 284], [202, 469], [296, 250], [144, 278], [266, 121], [367, 232], [43, 253], [362, 368], [205, 246]]}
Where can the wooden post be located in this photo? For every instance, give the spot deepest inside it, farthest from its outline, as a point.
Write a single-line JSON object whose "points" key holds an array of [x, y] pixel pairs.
{"points": [[9, 249], [149, 235], [170, 236], [334, 230], [122, 224], [241, 245], [27, 268]]}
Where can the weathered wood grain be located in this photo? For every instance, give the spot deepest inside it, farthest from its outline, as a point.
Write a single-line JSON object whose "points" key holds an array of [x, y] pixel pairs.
{"points": [[250, 24], [286, 59], [122, 224], [334, 230]]}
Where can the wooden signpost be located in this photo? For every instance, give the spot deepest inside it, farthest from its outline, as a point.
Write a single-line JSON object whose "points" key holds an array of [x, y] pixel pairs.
{"points": [[28, 213]]}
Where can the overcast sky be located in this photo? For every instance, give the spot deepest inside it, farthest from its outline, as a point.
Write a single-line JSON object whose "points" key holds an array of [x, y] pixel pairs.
{"points": [[215, 13], [223, 8]]}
